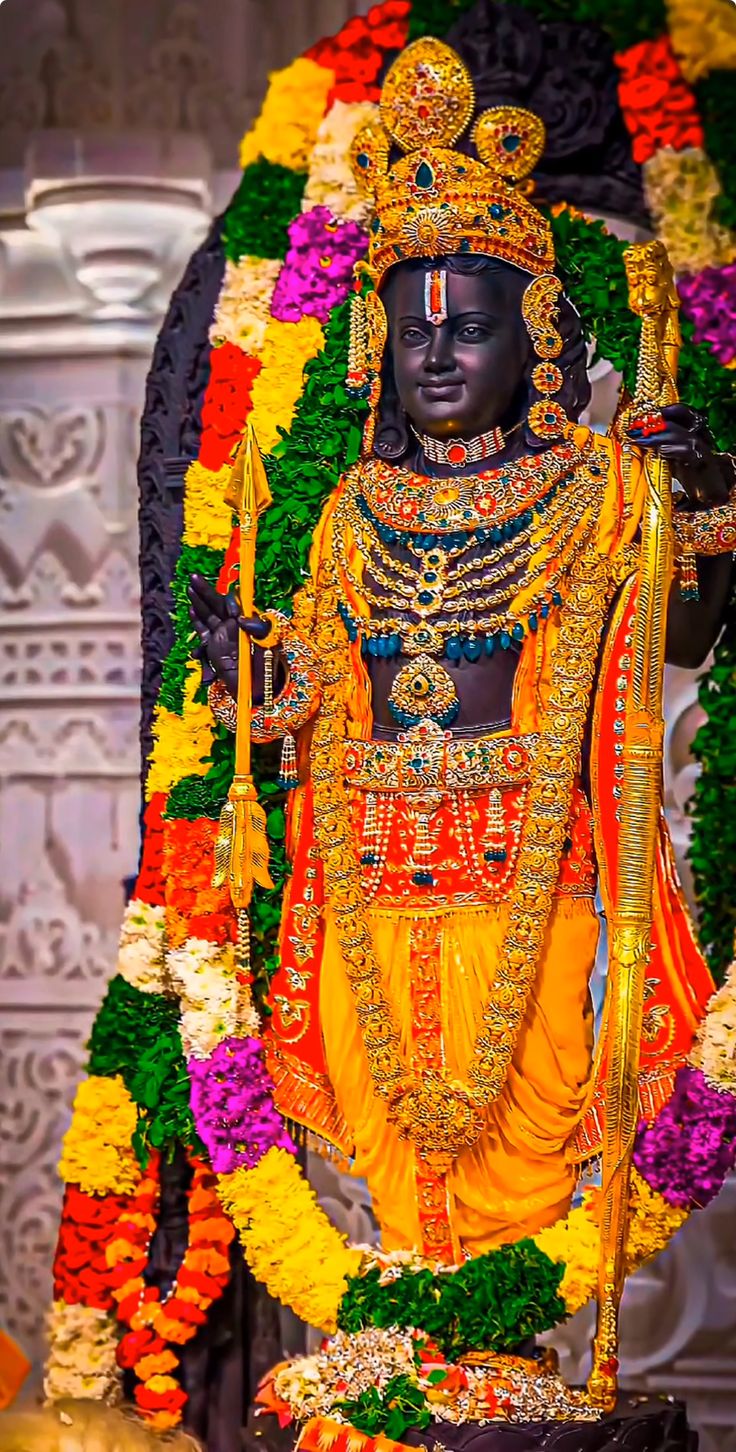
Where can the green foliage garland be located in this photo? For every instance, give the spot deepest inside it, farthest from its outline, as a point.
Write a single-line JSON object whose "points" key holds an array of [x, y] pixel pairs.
{"points": [[490, 1304], [716, 98], [200, 560], [267, 200], [713, 844], [136, 1035], [625, 21]]}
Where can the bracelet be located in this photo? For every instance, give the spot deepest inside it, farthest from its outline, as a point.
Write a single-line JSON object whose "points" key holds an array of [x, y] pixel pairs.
{"points": [[222, 705], [707, 531]]}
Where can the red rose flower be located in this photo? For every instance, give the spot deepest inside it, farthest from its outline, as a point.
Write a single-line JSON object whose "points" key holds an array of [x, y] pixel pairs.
{"points": [[357, 53], [657, 104], [150, 1401], [226, 403], [137, 1344]]}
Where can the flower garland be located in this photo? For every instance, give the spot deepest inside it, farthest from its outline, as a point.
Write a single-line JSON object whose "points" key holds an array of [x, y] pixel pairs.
{"points": [[156, 1323], [174, 1056]]}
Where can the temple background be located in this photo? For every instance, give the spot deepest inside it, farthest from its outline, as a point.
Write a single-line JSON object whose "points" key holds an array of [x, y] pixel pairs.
{"points": [[119, 125]]}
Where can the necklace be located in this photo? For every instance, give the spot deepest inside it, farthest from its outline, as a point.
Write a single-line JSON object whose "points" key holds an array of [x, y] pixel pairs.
{"points": [[465, 607], [459, 452], [440, 1115], [407, 501]]}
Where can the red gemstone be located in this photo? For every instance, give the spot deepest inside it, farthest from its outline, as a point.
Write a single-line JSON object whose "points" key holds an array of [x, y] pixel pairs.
{"points": [[457, 454]]}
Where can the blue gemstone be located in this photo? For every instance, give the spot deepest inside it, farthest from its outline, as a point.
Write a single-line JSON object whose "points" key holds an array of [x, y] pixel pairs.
{"points": [[424, 176], [395, 643], [505, 639], [518, 631], [556, 598], [532, 622], [425, 597], [497, 211], [544, 610], [372, 646], [363, 160], [473, 648], [454, 647], [430, 576], [511, 143], [368, 859], [490, 644], [496, 535]]}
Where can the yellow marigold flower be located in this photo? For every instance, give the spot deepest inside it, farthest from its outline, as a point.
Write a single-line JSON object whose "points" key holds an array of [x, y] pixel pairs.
{"points": [[574, 1241], [182, 744], [96, 1153], [680, 188], [287, 126], [652, 1223], [289, 1243], [208, 520], [277, 389], [703, 35], [243, 309]]}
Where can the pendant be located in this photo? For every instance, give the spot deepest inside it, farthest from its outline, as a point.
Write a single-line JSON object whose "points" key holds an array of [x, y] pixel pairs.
{"points": [[423, 691]]}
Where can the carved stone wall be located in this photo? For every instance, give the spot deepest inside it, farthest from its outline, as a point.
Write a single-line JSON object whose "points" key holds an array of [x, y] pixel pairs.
{"points": [[119, 126]]}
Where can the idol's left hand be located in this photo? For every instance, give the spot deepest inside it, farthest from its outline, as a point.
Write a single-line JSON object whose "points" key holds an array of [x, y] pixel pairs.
{"points": [[680, 435]]}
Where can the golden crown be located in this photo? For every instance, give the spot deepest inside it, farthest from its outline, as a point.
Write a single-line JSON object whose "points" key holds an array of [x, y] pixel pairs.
{"points": [[436, 201]]}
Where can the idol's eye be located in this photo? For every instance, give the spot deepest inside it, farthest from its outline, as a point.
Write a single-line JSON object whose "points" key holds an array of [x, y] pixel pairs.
{"points": [[413, 336], [473, 333]]}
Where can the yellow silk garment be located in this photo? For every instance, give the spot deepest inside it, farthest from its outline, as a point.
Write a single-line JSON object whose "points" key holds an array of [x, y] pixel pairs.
{"points": [[518, 1177]]}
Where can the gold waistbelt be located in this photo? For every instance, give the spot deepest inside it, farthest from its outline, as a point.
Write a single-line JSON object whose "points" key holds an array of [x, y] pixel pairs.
{"points": [[427, 757]]}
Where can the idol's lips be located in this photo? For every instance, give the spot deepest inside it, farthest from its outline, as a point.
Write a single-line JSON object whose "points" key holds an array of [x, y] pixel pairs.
{"points": [[446, 385]]}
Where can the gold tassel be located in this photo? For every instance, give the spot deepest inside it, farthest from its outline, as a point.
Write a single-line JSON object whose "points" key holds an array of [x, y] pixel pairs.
{"points": [[241, 849]]}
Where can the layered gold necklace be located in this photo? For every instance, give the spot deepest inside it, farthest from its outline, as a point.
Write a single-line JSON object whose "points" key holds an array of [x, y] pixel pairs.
{"points": [[471, 588], [442, 1116]]}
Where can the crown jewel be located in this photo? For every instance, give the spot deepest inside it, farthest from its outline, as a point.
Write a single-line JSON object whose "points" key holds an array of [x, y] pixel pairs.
{"points": [[435, 200]]}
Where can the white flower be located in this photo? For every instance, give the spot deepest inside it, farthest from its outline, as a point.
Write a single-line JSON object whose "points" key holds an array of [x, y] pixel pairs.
{"points": [[331, 182], [243, 308], [141, 950], [214, 1005]]}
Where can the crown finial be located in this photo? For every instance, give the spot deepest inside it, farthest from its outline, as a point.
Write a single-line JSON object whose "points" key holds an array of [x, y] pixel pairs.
{"points": [[427, 97]]}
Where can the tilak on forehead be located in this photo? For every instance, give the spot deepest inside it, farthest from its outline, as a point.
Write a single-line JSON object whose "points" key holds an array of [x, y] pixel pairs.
{"points": [[435, 295]]}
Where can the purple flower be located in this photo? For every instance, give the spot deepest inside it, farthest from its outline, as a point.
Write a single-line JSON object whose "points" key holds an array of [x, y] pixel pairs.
{"points": [[233, 1108], [709, 300], [318, 269], [688, 1150]]}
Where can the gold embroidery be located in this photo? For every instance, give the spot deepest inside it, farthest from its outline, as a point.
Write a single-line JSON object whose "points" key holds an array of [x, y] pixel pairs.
{"points": [[442, 1116]]}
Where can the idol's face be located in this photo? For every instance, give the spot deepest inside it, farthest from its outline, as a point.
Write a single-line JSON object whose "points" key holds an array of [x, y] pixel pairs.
{"points": [[462, 375]]}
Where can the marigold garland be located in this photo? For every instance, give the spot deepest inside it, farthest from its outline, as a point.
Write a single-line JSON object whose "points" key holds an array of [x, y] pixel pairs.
{"points": [[286, 129], [97, 1152], [656, 102], [289, 1243], [287, 347], [154, 1320], [194, 908], [703, 35], [309, 131], [224, 411]]}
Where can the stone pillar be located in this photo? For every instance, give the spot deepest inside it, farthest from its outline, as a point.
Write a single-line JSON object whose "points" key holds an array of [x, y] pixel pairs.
{"points": [[119, 127]]}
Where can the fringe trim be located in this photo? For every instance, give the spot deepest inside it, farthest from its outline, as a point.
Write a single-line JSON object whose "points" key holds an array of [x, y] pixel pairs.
{"points": [[307, 1099], [655, 1088]]}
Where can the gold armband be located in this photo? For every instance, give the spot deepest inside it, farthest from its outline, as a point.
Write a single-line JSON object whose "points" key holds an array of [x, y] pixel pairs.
{"points": [[706, 531]]}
